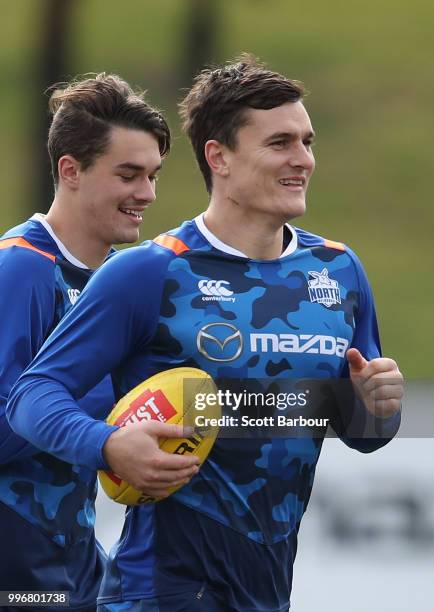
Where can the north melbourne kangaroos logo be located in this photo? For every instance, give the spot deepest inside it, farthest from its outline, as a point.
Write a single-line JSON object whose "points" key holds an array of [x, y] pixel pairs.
{"points": [[323, 289]]}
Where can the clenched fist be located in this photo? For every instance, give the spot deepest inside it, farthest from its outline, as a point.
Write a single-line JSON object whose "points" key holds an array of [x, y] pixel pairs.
{"points": [[379, 383]]}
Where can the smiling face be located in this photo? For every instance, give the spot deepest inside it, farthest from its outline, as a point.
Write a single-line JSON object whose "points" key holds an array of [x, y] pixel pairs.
{"points": [[268, 172], [120, 184]]}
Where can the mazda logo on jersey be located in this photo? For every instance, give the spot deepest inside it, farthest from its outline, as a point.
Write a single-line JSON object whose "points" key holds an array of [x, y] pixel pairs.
{"points": [[220, 342]]}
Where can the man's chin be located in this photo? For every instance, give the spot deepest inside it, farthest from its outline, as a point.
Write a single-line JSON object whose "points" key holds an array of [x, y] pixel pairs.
{"points": [[294, 210], [129, 237]]}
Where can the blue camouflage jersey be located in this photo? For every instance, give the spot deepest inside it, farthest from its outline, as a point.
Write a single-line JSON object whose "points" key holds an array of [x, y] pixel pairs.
{"points": [[188, 299], [46, 505]]}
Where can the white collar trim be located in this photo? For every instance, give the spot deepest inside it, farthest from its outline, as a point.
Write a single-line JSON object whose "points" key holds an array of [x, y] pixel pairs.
{"points": [[221, 246], [62, 248]]}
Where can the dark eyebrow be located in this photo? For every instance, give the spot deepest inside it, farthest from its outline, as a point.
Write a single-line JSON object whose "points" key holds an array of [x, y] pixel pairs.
{"points": [[135, 167], [288, 135]]}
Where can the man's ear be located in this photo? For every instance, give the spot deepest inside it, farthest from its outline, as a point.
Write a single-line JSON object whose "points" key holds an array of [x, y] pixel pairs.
{"points": [[69, 171], [216, 156]]}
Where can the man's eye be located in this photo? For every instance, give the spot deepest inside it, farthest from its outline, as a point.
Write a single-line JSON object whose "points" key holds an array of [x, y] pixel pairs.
{"points": [[308, 144], [153, 178], [127, 178], [278, 144]]}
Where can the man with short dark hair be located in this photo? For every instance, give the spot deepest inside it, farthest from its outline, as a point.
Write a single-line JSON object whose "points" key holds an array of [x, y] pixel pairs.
{"points": [[106, 144], [243, 295]]}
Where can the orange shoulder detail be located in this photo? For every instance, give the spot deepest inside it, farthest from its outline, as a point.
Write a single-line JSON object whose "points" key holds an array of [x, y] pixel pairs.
{"points": [[170, 242], [22, 242], [331, 244]]}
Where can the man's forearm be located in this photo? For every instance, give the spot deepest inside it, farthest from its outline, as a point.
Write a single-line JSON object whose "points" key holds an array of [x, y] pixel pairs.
{"points": [[42, 411]]}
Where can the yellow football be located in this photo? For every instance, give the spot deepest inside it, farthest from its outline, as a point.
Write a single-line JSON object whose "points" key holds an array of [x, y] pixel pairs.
{"points": [[168, 397]]}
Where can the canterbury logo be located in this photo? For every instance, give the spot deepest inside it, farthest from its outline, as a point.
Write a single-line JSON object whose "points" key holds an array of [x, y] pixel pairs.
{"points": [[73, 295], [216, 291]]}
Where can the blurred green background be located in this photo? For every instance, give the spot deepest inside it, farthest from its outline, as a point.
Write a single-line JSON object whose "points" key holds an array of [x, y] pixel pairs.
{"points": [[368, 66]]}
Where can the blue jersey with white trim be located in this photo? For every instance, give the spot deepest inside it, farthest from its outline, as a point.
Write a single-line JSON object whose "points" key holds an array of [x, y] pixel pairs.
{"points": [[39, 283], [234, 526]]}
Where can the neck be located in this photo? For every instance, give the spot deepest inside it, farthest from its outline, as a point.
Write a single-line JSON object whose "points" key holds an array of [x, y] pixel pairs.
{"points": [[75, 235], [257, 235]]}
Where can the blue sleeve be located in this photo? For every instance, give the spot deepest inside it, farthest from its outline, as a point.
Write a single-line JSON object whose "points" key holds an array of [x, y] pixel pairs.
{"points": [[366, 336], [357, 427], [115, 316], [26, 315]]}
